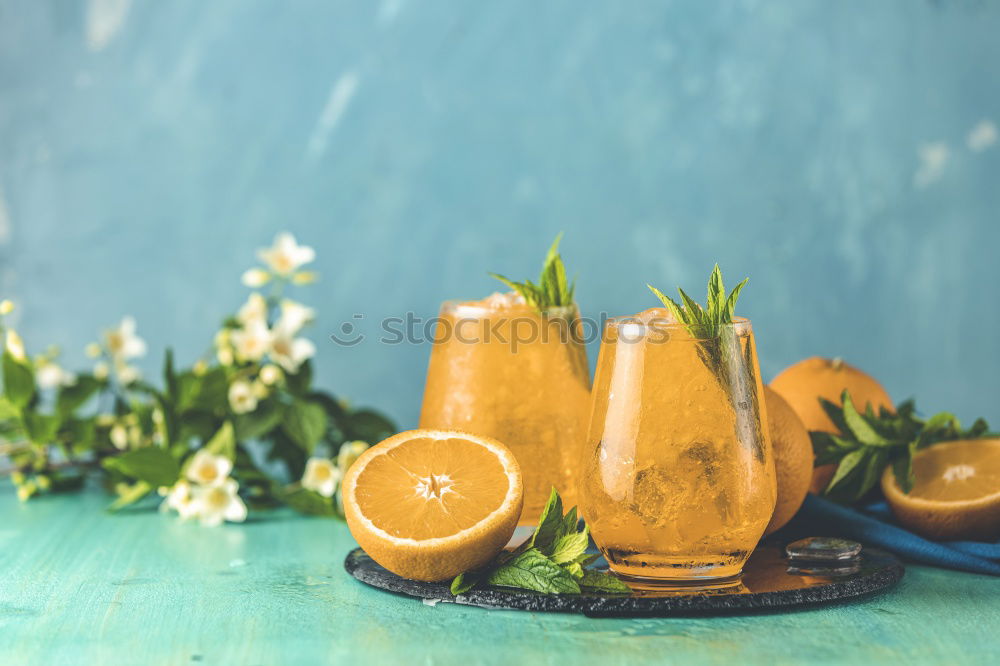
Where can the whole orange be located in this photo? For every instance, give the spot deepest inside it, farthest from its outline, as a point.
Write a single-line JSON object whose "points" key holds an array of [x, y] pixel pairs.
{"points": [[805, 382], [793, 458]]}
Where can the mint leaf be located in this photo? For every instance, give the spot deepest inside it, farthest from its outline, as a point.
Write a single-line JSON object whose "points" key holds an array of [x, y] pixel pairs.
{"points": [[549, 523], [569, 547], [463, 583], [551, 561], [857, 424], [552, 290], [902, 469], [601, 582], [531, 570]]}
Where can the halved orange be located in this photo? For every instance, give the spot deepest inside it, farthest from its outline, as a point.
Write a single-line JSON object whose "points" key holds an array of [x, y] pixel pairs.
{"points": [[431, 504], [956, 493]]}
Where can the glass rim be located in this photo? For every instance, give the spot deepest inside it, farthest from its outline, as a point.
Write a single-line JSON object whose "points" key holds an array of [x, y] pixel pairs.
{"points": [[456, 306], [740, 324]]}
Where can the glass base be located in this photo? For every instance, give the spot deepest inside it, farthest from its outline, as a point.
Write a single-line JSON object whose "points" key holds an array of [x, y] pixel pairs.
{"points": [[642, 584]]}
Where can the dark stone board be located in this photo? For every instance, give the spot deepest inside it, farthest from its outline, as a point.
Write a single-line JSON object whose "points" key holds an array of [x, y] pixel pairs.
{"points": [[767, 584]]}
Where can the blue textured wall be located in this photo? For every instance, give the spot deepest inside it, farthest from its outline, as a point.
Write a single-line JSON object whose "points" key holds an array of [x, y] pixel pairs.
{"points": [[842, 154]]}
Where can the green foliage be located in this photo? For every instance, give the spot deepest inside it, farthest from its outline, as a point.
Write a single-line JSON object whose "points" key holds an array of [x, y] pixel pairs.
{"points": [[18, 381], [143, 437], [551, 561], [868, 442], [704, 322], [152, 464], [305, 423], [552, 290]]}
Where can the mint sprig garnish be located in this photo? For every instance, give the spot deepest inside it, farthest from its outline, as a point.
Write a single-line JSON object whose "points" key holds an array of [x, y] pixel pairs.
{"points": [[552, 290], [868, 442], [551, 561], [719, 349]]}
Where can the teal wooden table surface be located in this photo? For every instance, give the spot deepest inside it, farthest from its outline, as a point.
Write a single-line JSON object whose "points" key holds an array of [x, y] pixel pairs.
{"points": [[78, 585]]}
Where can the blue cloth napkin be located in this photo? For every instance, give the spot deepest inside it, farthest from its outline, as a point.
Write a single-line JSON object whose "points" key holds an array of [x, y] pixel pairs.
{"points": [[873, 525]]}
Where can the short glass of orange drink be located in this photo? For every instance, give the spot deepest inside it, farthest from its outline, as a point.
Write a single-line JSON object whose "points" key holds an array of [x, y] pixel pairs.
{"points": [[505, 369], [678, 482]]}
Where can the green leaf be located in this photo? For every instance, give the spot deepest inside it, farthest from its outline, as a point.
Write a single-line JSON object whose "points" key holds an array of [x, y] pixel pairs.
{"points": [[305, 422], [848, 466], [151, 464], [527, 291], [694, 311], [531, 570], [300, 382], [569, 547], [130, 496], [836, 414], [7, 410], [18, 381], [72, 397], [549, 523], [463, 583], [857, 424], [716, 296], [552, 289], [902, 469], [206, 392], [367, 425], [169, 376], [731, 300], [670, 304], [259, 422], [309, 502], [223, 442], [41, 428], [830, 448], [604, 583]]}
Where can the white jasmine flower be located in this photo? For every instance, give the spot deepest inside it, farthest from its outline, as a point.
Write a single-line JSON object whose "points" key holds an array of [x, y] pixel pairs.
{"points": [[208, 469], [270, 374], [294, 316], [252, 341], [322, 476], [49, 376], [101, 370], [15, 345], [179, 498], [223, 337], [119, 436], [286, 255], [122, 342], [260, 389], [214, 504], [224, 356], [93, 350], [242, 398], [126, 373], [290, 352], [253, 310], [6, 307], [256, 277], [349, 452]]}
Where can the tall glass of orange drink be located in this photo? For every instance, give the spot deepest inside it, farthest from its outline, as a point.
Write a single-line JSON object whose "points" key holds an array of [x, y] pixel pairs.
{"points": [[502, 368], [678, 482]]}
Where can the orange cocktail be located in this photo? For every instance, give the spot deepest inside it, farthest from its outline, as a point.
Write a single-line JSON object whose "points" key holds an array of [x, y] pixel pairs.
{"points": [[507, 370], [678, 482]]}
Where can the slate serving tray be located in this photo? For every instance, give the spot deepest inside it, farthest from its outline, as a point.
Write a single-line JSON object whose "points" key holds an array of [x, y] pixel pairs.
{"points": [[767, 584]]}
